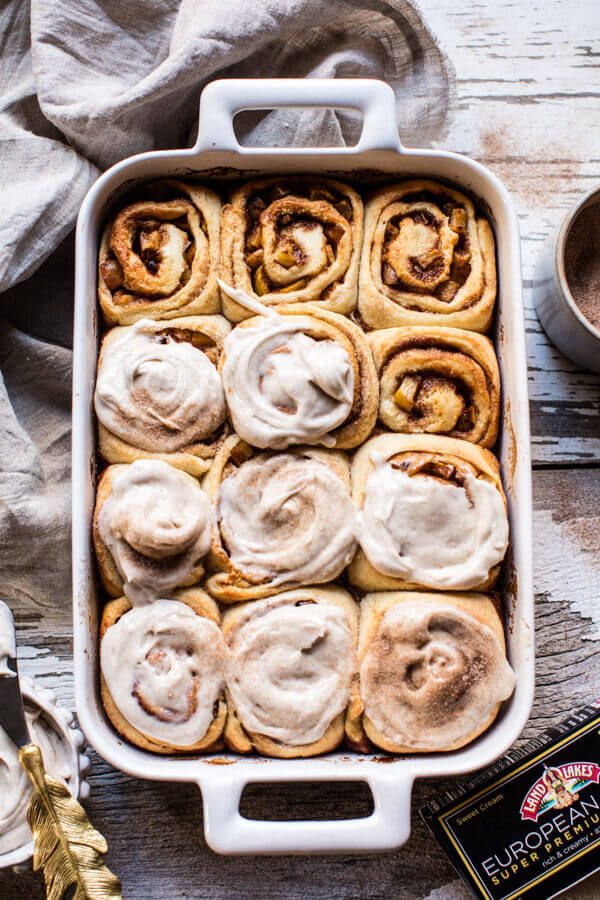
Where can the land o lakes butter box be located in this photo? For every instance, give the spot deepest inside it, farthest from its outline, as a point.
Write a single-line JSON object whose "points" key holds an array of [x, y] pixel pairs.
{"points": [[530, 825]]}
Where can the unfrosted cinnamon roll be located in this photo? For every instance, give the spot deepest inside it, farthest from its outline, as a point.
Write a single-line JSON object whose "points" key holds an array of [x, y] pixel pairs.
{"points": [[292, 240], [162, 668], [282, 520], [159, 255], [427, 259], [299, 376], [158, 392], [438, 380], [291, 672], [152, 526], [432, 514], [433, 670]]}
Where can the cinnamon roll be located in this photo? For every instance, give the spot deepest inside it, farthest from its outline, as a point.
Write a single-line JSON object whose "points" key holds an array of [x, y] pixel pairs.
{"points": [[162, 667], [432, 514], [300, 376], [291, 672], [292, 240], [433, 670], [428, 258], [438, 380], [159, 255], [158, 393], [282, 520], [152, 527]]}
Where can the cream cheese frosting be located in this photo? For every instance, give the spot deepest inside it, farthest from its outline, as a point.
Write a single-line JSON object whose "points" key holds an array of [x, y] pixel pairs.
{"points": [[156, 523], [290, 669], [284, 387], [15, 787], [432, 676], [288, 519], [155, 392], [8, 645], [164, 668], [426, 531]]}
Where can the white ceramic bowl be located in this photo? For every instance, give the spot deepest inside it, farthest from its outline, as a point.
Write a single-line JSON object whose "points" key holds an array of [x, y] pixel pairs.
{"points": [[63, 723], [561, 318]]}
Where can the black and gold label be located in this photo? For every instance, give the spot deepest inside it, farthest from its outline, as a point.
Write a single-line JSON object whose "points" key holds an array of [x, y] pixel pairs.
{"points": [[530, 826]]}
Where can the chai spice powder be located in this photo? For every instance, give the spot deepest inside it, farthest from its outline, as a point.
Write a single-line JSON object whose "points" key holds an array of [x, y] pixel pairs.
{"points": [[582, 262]]}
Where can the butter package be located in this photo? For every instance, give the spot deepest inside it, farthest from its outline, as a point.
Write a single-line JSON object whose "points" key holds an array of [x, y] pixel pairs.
{"points": [[530, 825]]}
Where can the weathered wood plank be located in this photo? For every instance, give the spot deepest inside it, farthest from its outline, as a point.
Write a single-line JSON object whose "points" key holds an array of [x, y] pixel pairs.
{"points": [[528, 88]]}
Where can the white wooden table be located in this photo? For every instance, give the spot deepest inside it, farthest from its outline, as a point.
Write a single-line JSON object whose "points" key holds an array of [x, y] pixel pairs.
{"points": [[528, 106]]}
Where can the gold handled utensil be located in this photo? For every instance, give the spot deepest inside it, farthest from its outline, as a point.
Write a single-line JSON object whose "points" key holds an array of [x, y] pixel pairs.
{"points": [[67, 848]]}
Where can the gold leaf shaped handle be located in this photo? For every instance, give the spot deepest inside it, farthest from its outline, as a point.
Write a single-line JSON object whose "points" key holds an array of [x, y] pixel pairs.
{"points": [[67, 847]]}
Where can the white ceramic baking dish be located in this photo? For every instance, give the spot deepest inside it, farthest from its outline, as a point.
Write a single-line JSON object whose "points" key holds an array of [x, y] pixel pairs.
{"points": [[217, 154]]}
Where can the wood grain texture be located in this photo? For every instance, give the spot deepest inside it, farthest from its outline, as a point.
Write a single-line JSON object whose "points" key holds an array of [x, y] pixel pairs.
{"points": [[528, 107]]}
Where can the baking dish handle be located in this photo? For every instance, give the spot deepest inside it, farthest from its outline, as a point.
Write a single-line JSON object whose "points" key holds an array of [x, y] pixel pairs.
{"points": [[227, 831], [222, 100]]}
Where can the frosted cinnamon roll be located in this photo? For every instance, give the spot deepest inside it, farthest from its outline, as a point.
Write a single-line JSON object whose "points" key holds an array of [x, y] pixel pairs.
{"points": [[433, 670], [292, 240], [437, 380], [159, 255], [162, 677], [428, 258], [291, 672], [299, 376], [158, 393], [432, 514], [282, 520], [152, 526]]}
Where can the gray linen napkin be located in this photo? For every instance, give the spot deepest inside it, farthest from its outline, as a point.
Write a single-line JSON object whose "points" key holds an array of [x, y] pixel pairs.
{"points": [[84, 83]]}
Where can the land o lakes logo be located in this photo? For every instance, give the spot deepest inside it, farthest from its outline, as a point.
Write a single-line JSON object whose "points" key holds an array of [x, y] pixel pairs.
{"points": [[558, 787]]}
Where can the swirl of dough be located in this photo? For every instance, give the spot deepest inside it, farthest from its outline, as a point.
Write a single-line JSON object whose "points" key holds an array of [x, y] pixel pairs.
{"points": [[438, 380], [158, 267], [284, 387], [291, 663], [158, 256], [164, 667], [156, 392], [427, 529], [428, 258], [288, 519], [156, 524], [296, 244], [432, 675], [292, 240]]}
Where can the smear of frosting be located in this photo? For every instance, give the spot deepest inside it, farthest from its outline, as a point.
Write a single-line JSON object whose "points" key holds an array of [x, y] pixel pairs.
{"points": [[432, 675], [15, 787], [287, 518], [164, 667], [434, 533], [284, 387], [155, 392], [245, 300], [156, 524], [290, 668]]}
